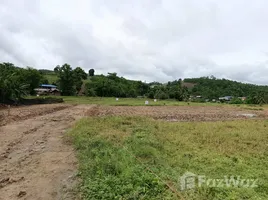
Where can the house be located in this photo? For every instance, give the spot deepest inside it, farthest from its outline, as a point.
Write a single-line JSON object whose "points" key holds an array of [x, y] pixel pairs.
{"points": [[242, 98], [46, 89], [226, 98], [47, 86]]}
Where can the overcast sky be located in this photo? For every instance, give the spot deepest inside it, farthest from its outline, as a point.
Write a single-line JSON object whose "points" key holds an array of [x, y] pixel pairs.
{"points": [[152, 40]]}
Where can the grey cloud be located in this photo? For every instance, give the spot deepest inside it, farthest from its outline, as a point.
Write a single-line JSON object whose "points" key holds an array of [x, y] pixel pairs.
{"points": [[152, 40]]}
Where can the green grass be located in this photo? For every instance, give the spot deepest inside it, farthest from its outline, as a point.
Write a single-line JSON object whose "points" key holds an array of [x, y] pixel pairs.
{"points": [[52, 78], [137, 157], [141, 102]]}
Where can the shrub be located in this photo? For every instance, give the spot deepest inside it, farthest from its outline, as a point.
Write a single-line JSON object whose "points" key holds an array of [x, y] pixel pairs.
{"points": [[236, 101], [161, 95]]}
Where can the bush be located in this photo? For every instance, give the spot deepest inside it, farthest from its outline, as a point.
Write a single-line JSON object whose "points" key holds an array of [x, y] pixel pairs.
{"points": [[236, 101], [161, 95], [151, 95], [132, 93], [91, 92]]}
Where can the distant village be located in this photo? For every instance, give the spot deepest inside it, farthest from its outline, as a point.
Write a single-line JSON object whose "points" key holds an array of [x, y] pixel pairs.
{"points": [[220, 99]]}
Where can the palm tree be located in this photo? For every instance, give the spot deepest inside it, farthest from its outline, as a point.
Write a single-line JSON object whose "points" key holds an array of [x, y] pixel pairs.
{"points": [[11, 88], [260, 98]]}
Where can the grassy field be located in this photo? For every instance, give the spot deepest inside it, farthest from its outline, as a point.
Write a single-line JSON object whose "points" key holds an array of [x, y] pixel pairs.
{"points": [[141, 158], [141, 102], [52, 78]]}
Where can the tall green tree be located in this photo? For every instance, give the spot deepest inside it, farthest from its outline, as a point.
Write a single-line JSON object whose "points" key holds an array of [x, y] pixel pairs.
{"points": [[78, 75], [91, 72], [66, 79], [31, 77], [16, 82], [257, 98]]}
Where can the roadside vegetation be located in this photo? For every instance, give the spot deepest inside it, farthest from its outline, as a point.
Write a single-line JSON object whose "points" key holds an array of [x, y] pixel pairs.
{"points": [[141, 158]]}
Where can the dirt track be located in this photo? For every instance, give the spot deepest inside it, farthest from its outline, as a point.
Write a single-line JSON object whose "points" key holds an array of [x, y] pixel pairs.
{"points": [[35, 162]]}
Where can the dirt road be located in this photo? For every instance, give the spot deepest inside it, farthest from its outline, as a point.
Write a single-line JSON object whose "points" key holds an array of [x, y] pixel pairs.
{"points": [[35, 162]]}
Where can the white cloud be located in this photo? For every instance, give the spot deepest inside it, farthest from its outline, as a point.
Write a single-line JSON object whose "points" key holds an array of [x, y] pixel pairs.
{"points": [[150, 40]]}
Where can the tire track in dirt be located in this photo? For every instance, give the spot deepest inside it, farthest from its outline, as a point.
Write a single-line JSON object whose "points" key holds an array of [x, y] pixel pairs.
{"points": [[36, 163], [14, 144], [26, 112]]}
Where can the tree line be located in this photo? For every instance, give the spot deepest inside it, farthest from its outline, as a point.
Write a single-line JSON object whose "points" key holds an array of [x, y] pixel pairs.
{"points": [[17, 82], [212, 88]]}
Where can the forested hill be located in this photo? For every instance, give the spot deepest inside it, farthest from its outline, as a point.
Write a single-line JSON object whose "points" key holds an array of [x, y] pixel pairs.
{"points": [[17, 82], [46, 71], [211, 87], [207, 87]]}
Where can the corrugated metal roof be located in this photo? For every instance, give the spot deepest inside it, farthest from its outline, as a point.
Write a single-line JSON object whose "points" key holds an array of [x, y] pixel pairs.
{"points": [[47, 85]]}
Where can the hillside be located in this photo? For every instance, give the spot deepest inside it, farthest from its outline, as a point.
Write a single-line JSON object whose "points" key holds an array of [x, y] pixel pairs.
{"points": [[111, 85], [49, 76], [207, 87], [211, 87], [114, 86]]}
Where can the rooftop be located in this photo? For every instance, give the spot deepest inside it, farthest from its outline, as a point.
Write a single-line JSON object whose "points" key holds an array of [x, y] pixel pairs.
{"points": [[47, 85]]}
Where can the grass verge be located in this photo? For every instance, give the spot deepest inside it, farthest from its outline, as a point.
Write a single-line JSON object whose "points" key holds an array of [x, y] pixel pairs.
{"points": [[140, 158]]}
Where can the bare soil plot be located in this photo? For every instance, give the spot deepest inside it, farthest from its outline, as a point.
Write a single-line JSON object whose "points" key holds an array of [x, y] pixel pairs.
{"points": [[35, 162], [25, 112], [181, 113]]}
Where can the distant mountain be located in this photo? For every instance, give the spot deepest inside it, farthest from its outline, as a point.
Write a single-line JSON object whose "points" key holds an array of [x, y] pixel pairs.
{"points": [[49, 76]]}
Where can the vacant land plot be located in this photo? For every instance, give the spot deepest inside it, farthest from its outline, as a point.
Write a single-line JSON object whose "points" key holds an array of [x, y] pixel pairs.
{"points": [[182, 113], [129, 101], [132, 152]]}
